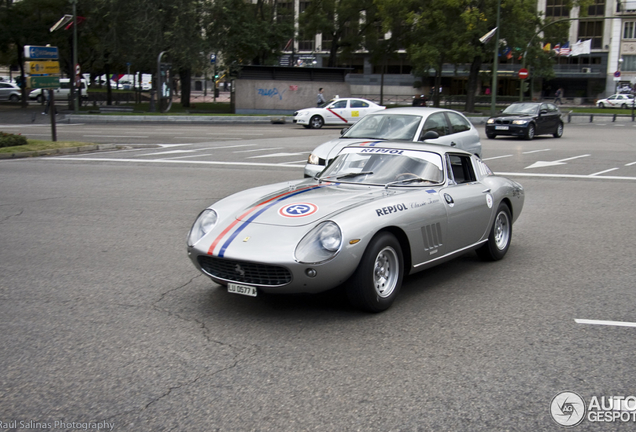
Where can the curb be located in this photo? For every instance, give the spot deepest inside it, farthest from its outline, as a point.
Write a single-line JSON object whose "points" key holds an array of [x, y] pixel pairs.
{"points": [[88, 118], [61, 151]]}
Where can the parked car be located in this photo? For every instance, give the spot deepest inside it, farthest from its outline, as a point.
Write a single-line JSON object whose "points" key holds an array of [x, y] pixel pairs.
{"points": [[61, 93], [616, 101], [526, 120], [341, 111], [415, 124], [379, 212], [9, 91]]}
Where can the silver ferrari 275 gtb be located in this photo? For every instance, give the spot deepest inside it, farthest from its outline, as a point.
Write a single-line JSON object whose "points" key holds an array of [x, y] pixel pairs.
{"points": [[379, 211]]}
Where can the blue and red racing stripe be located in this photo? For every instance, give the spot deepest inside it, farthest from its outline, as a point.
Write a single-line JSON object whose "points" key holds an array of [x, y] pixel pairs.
{"points": [[263, 207]]}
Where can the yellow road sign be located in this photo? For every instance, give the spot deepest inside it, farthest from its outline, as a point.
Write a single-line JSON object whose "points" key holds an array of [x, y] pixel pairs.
{"points": [[42, 67]]}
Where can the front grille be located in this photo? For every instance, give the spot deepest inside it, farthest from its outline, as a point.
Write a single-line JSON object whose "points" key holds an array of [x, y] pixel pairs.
{"points": [[503, 121], [245, 272]]}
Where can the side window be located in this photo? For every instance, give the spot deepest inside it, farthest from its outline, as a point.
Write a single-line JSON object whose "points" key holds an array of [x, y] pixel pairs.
{"points": [[359, 104], [458, 123], [461, 169], [552, 108], [65, 84], [436, 122], [339, 104]]}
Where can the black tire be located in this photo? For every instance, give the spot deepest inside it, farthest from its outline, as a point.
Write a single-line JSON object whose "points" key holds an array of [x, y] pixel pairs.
{"points": [[499, 237], [601, 105], [491, 135], [530, 131], [40, 98], [624, 106], [558, 133], [316, 122], [377, 280], [14, 98]]}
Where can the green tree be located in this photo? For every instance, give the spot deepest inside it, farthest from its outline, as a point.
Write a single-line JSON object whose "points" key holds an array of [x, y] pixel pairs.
{"points": [[343, 24]]}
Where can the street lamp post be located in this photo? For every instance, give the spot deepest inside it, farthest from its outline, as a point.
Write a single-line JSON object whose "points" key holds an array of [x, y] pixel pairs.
{"points": [[78, 90], [495, 65]]}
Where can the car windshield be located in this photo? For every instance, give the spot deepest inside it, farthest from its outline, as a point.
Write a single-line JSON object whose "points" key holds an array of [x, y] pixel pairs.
{"points": [[385, 126], [522, 108], [383, 166]]}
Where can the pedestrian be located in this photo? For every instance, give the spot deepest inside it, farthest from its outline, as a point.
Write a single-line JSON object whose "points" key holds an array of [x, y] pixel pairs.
{"points": [[45, 93], [320, 99], [487, 91], [557, 96]]}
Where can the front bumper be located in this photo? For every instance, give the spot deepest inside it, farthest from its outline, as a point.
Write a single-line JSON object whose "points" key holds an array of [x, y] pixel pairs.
{"points": [[508, 129]]}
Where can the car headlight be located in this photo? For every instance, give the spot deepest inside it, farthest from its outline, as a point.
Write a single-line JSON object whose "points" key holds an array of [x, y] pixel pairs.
{"points": [[203, 225], [519, 122], [313, 159], [320, 244], [490, 121]]}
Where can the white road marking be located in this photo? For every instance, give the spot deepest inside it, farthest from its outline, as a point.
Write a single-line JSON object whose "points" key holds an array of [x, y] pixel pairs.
{"points": [[275, 155], [535, 151], [257, 150], [603, 172], [573, 176], [116, 136], [630, 164], [230, 146], [542, 164], [191, 156], [497, 157], [606, 323], [86, 159], [167, 152]]}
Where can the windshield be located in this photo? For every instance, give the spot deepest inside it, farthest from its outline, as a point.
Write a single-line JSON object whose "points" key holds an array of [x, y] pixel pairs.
{"points": [[381, 166], [385, 126], [522, 108]]}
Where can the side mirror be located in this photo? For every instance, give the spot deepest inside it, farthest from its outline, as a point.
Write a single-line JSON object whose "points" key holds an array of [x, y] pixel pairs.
{"points": [[429, 136], [342, 132], [544, 111]]}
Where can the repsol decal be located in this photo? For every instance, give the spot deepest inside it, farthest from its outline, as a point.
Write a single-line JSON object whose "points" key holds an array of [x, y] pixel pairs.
{"points": [[390, 209], [381, 150]]}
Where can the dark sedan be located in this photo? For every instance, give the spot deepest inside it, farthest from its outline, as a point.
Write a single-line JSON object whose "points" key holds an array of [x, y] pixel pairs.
{"points": [[526, 120]]}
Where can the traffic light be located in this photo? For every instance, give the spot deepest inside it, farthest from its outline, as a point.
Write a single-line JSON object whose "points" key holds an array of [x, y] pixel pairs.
{"points": [[526, 86]]}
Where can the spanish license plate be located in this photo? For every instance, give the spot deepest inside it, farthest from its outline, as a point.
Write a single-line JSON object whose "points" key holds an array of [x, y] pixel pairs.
{"points": [[241, 289], [502, 127]]}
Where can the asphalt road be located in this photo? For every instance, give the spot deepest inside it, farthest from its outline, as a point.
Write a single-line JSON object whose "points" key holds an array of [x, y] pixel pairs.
{"points": [[104, 319]]}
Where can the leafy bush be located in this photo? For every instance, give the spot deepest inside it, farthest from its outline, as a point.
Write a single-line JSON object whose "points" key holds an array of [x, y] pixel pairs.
{"points": [[10, 140]]}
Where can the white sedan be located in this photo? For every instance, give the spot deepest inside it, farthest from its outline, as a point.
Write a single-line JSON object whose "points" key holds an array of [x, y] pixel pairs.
{"points": [[414, 124], [340, 112], [616, 101]]}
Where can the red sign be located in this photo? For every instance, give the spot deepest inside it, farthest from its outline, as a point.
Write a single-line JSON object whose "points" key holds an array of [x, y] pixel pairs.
{"points": [[523, 73]]}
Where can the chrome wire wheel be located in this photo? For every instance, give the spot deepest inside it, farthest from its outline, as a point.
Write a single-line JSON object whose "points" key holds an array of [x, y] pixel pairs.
{"points": [[386, 272], [502, 231]]}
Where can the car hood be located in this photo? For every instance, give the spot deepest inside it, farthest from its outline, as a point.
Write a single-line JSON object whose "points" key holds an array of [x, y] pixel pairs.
{"points": [[512, 116], [308, 203]]}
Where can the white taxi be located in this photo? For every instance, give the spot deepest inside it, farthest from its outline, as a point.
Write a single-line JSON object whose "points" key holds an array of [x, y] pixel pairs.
{"points": [[339, 112]]}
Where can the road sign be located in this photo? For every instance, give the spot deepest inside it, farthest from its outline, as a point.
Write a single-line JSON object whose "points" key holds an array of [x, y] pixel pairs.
{"points": [[46, 82], [213, 58], [42, 67], [523, 73], [40, 52], [617, 74]]}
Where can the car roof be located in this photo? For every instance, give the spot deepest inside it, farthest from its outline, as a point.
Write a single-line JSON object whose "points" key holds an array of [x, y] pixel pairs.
{"points": [[413, 111], [419, 146]]}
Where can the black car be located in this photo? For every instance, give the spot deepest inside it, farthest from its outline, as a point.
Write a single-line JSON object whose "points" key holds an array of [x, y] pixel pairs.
{"points": [[526, 120]]}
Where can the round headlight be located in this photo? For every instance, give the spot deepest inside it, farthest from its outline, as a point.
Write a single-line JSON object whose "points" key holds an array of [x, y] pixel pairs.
{"points": [[203, 225], [490, 121], [320, 244]]}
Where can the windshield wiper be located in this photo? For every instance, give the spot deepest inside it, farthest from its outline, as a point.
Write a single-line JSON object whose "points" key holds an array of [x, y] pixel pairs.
{"points": [[352, 174], [411, 180]]}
